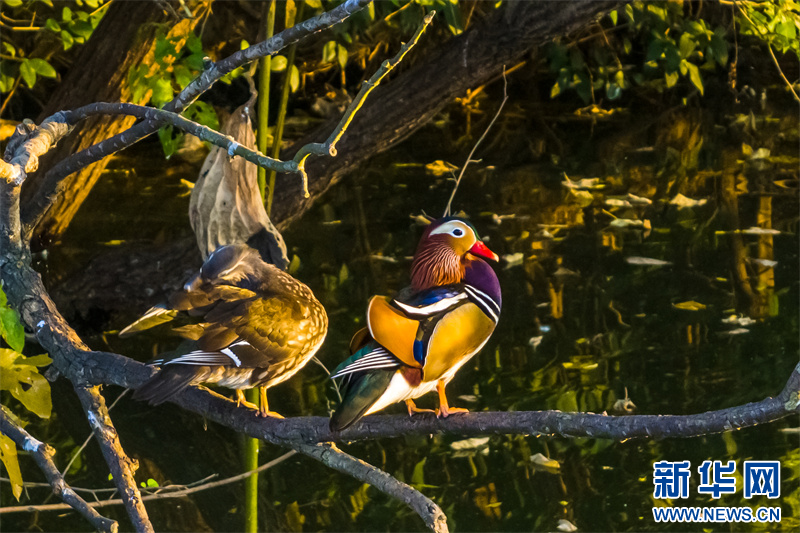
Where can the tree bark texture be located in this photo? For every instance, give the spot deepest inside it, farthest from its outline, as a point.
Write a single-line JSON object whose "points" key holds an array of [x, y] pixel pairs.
{"points": [[124, 38]]}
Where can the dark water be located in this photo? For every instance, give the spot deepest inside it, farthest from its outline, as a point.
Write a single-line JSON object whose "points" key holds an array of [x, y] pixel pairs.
{"points": [[587, 315]]}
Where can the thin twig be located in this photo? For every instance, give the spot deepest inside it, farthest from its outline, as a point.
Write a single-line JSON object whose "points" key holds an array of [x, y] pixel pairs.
{"points": [[157, 496], [785, 79], [472, 152], [329, 455], [329, 146], [43, 455]]}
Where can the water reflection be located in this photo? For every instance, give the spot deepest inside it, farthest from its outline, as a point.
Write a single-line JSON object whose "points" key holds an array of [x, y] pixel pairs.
{"points": [[663, 273]]}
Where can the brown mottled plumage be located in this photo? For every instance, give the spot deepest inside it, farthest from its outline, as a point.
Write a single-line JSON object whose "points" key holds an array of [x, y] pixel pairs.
{"points": [[258, 326]]}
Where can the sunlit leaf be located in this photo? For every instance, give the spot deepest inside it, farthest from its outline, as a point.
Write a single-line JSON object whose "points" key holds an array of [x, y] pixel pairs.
{"points": [[43, 68], [694, 76], [8, 455], [28, 73], [278, 63], [294, 82], [11, 329], [690, 305], [329, 52], [25, 383]]}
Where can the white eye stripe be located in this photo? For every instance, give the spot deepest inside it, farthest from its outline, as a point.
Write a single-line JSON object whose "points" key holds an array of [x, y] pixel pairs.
{"points": [[452, 227]]}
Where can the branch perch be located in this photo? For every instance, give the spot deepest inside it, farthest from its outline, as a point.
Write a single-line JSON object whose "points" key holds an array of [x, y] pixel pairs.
{"points": [[43, 455]]}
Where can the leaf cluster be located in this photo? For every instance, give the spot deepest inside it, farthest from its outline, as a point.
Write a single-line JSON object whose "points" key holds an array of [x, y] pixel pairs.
{"points": [[19, 375], [677, 46], [36, 35]]}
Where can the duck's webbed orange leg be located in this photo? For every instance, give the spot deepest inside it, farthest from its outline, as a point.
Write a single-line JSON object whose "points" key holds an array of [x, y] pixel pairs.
{"points": [[445, 410]]}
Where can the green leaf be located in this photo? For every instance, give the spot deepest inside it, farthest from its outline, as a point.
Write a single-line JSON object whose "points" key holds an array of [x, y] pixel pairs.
{"points": [[25, 383], [28, 73], [671, 78], [694, 75], [556, 90], [342, 56], [418, 477], [66, 39], [719, 48], [8, 454], [278, 63], [43, 68], [152, 483], [11, 329], [81, 28], [66, 14], [686, 45], [13, 3], [613, 91], [314, 4], [294, 82], [329, 52], [614, 15], [169, 144], [52, 25], [162, 92]]}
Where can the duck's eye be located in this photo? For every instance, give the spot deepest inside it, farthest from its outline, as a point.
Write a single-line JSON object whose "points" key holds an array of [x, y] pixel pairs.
{"points": [[457, 232]]}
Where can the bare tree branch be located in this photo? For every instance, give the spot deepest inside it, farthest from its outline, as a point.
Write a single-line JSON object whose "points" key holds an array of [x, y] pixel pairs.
{"points": [[43, 455], [121, 466], [329, 455]]}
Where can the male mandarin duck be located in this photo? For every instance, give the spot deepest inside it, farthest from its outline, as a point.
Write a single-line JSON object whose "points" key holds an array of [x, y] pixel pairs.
{"points": [[415, 342], [258, 327]]}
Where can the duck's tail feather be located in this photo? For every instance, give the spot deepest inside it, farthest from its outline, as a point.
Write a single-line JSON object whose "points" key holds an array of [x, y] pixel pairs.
{"points": [[361, 391], [169, 381]]}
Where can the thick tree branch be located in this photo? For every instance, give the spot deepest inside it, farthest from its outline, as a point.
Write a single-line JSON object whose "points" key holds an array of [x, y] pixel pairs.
{"points": [[43, 455], [329, 455]]}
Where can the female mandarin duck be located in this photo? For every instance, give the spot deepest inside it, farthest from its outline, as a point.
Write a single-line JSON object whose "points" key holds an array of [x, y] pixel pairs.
{"points": [[416, 342], [259, 327]]}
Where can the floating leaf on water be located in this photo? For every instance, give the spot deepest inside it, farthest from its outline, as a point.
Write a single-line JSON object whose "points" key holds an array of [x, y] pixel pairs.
{"points": [[566, 525], [691, 305], [626, 223], [684, 202], [469, 444], [736, 320], [534, 342], [761, 153], [583, 184], [759, 231], [440, 168], [764, 262], [638, 200], [421, 220], [731, 333], [513, 260], [617, 202], [545, 462], [646, 261], [384, 258]]}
